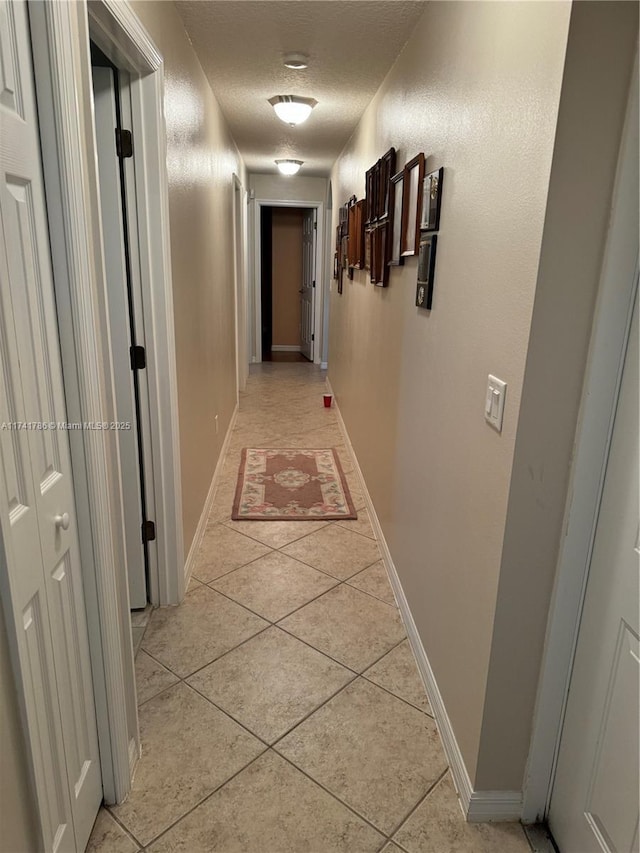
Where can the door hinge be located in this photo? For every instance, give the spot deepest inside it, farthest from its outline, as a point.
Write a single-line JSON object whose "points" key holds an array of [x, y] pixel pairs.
{"points": [[138, 358], [124, 143], [313, 337], [313, 284], [148, 531]]}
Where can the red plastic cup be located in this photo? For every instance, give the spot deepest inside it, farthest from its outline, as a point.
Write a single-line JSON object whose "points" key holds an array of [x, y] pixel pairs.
{"points": [[327, 400]]}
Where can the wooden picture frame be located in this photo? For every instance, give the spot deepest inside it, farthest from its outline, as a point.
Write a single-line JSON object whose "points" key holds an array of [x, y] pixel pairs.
{"points": [[356, 235], [431, 200], [375, 257], [395, 223], [386, 168], [412, 205], [381, 251], [426, 271], [371, 194]]}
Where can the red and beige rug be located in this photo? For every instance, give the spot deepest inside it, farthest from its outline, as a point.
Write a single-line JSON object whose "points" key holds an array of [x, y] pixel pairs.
{"points": [[291, 485]]}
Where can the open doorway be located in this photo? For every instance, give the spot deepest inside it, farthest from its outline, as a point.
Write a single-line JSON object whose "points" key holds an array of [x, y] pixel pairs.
{"points": [[288, 281], [114, 155], [116, 176]]}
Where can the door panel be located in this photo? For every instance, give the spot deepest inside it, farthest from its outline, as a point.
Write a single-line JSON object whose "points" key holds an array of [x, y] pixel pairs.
{"points": [[45, 738], [38, 514], [308, 276], [116, 272], [594, 806]]}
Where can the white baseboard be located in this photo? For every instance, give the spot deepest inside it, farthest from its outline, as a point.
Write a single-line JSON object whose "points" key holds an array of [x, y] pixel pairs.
{"points": [[284, 348], [324, 365], [495, 806], [206, 509], [477, 806]]}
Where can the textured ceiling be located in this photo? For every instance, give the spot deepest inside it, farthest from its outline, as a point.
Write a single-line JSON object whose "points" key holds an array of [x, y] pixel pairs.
{"points": [[352, 44]]}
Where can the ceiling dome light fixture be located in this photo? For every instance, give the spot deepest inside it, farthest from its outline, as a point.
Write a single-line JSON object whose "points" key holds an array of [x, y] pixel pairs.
{"points": [[297, 61], [292, 110], [289, 167]]}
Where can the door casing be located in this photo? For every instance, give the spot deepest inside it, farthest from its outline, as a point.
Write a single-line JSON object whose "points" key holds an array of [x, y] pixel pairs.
{"points": [[60, 35], [309, 253], [240, 282], [122, 277]]}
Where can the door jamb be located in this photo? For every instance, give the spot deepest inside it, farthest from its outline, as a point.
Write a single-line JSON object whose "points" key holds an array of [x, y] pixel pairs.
{"points": [[240, 283], [60, 33], [118, 33], [318, 291], [612, 322]]}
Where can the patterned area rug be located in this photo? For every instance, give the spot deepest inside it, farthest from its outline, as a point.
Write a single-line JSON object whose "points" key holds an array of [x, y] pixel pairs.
{"points": [[291, 485]]}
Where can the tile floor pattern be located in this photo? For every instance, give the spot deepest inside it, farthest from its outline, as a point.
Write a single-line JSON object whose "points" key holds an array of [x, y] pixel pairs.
{"points": [[280, 706]]}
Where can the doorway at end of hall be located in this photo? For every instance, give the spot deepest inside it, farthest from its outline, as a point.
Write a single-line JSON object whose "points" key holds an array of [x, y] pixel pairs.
{"points": [[282, 273]]}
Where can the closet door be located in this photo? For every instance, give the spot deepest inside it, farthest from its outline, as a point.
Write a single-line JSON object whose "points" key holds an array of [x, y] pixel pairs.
{"points": [[42, 580]]}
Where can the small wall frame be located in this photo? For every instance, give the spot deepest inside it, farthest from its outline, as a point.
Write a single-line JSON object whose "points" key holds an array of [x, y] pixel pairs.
{"points": [[371, 196], [426, 271], [395, 224], [431, 201], [367, 248], [356, 235], [379, 255], [386, 166], [412, 205]]}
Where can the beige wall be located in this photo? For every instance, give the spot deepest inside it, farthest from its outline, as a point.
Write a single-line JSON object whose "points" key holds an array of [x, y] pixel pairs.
{"points": [[598, 67], [477, 88], [286, 275], [201, 160], [278, 187]]}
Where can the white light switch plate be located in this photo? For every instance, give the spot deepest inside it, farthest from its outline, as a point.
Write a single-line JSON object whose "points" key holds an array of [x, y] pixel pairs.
{"points": [[494, 402]]}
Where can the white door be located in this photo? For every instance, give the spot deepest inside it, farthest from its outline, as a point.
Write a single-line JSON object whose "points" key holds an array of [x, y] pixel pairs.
{"points": [[594, 806], [42, 582], [113, 236], [307, 292]]}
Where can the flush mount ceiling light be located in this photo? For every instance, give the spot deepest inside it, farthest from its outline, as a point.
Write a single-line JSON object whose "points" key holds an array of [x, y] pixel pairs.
{"points": [[289, 167], [297, 61], [292, 110]]}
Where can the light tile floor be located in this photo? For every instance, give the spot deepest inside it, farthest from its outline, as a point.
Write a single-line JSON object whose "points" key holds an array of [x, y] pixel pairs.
{"points": [[139, 622], [280, 706]]}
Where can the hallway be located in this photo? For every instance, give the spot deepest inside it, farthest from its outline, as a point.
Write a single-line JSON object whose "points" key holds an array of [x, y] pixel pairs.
{"points": [[280, 707]]}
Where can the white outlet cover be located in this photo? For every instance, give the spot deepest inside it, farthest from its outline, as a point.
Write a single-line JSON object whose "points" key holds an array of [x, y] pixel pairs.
{"points": [[494, 402]]}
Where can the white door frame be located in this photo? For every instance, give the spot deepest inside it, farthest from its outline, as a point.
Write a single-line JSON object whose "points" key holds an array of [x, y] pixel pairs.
{"points": [[240, 284], [118, 33], [60, 33], [612, 321], [122, 279], [318, 291]]}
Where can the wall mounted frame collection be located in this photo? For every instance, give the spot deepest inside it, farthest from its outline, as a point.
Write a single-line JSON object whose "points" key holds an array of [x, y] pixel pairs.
{"points": [[397, 219]]}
